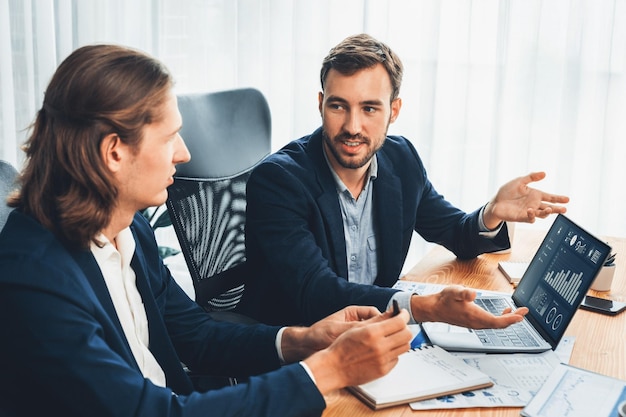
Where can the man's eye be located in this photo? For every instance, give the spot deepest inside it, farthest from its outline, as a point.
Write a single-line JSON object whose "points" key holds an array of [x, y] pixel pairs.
{"points": [[370, 109]]}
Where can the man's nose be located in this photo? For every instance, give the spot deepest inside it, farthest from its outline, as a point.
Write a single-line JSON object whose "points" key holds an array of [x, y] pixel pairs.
{"points": [[182, 154], [353, 122]]}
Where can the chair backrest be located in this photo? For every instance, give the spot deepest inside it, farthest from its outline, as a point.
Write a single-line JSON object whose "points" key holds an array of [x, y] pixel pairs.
{"points": [[8, 174], [227, 134]]}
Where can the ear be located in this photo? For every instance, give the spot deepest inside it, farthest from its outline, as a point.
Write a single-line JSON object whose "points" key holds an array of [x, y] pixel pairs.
{"points": [[320, 100], [112, 151], [395, 109]]}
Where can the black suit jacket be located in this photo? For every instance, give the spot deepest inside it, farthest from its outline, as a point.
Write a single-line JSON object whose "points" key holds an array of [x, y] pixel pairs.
{"points": [[295, 240]]}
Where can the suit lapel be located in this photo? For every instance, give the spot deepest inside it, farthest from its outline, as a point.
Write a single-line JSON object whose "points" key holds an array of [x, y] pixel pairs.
{"points": [[160, 342], [329, 206], [388, 214], [328, 203], [90, 268]]}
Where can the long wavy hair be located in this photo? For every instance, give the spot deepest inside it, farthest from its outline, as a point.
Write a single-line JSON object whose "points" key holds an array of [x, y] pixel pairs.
{"points": [[96, 91]]}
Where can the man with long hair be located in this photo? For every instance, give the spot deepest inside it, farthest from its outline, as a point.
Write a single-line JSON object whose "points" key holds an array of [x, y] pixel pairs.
{"points": [[92, 322]]}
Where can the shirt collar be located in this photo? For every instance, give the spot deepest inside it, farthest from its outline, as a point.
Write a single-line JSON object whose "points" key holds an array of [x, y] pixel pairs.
{"points": [[341, 187], [125, 247]]}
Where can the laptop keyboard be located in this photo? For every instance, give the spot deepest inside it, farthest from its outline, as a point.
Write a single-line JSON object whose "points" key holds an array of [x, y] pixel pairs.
{"points": [[515, 335]]}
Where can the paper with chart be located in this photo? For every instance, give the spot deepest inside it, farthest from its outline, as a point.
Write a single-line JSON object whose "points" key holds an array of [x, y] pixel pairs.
{"points": [[517, 377], [575, 392], [425, 288]]}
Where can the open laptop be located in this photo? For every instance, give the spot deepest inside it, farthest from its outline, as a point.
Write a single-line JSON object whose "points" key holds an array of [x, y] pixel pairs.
{"points": [[553, 286]]}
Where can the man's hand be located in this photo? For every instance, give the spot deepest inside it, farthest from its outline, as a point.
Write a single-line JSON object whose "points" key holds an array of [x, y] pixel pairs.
{"points": [[455, 305], [517, 202], [300, 342], [363, 353]]}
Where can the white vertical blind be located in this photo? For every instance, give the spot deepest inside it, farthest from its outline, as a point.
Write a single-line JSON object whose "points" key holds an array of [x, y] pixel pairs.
{"points": [[8, 140], [492, 89]]}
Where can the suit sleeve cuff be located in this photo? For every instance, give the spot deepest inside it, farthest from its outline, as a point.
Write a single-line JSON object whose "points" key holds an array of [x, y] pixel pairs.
{"points": [[308, 371], [482, 229], [279, 344]]}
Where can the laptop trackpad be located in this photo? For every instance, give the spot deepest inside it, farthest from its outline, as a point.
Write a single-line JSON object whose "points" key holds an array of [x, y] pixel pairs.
{"points": [[447, 335]]}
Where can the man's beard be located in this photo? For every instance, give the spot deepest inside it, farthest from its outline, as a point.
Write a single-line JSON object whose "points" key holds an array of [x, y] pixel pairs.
{"points": [[344, 162]]}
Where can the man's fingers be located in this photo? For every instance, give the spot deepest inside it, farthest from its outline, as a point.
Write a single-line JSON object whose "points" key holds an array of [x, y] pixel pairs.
{"points": [[509, 317], [391, 314], [358, 313], [555, 198], [522, 311], [463, 294], [535, 176], [388, 322]]}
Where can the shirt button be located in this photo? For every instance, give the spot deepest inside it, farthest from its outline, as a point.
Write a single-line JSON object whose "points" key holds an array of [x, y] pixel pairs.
{"points": [[353, 258]]}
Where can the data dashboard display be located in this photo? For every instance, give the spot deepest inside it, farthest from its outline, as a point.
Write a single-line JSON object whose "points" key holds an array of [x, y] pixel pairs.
{"points": [[560, 275]]}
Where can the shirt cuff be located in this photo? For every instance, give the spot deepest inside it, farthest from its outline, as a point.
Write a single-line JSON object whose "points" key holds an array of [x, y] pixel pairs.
{"points": [[279, 344], [308, 371], [404, 301], [482, 229]]}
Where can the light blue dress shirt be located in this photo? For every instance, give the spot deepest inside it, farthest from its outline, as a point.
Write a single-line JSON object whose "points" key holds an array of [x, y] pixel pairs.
{"points": [[360, 235]]}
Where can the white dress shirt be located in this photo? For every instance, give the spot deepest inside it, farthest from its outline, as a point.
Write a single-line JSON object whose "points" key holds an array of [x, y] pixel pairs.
{"points": [[121, 283]]}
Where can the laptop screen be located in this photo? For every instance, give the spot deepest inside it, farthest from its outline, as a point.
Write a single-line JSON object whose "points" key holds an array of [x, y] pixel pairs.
{"points": [[559, 276]]}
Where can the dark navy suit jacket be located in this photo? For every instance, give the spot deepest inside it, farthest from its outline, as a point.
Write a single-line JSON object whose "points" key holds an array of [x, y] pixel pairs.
{"points": [[295, 238], [63, 351]]}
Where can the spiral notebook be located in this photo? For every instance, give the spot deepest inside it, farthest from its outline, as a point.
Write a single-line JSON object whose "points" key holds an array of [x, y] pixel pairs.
{"points": [[420, 374]]}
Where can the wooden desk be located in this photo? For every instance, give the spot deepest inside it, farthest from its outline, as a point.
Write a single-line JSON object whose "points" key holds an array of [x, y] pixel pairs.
{"points": [[600, 343]]}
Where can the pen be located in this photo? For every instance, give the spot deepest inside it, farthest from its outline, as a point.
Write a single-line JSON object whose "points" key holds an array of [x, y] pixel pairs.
{"points": [[396, 308]]}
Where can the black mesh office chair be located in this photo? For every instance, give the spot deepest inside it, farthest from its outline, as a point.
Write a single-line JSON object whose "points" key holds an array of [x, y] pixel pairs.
{"points": [[8, 175], [227, 134]]}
